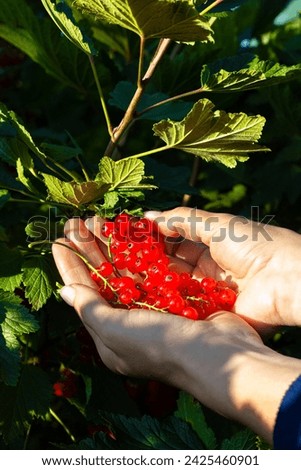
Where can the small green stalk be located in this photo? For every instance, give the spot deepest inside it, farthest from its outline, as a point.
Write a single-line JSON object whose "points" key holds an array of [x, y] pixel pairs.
{"points": [[147, 152], [58, 419], [101, 96], [150, 307], [85, 261]]}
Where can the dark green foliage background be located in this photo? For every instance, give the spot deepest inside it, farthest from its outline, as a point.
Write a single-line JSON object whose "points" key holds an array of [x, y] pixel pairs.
{"points": [[61, 108]]}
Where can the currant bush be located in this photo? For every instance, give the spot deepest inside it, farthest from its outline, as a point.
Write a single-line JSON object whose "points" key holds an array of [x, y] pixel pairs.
{"points": [[137, 274]]}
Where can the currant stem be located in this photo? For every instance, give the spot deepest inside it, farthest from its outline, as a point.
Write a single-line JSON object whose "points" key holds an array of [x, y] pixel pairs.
{"points": [[131, 110], [150, 307], [89, 265], [172, 98], [148, 152]]}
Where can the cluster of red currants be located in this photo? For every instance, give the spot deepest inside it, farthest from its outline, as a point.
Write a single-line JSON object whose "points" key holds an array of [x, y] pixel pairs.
{"points": [[137, 248]]}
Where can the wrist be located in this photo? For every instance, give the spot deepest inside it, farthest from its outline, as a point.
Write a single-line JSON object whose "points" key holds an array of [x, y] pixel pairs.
{"points": [[236, 377]]}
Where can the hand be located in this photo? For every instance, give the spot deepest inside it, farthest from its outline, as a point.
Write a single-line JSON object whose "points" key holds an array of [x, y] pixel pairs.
{"points": [[219, 361], [263, 261]]}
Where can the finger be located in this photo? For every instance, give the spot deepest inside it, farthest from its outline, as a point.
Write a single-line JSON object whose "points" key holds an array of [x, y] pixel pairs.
{"points": [[195, 224], [84, 241], [95, 225], [71, 268]]}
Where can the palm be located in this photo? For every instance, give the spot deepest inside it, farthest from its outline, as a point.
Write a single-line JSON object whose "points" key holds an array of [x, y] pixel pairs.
{"points": [[250, 266]]}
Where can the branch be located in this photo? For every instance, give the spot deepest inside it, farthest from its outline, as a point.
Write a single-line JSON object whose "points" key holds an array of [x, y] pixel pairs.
{"points": [[131, 111]]}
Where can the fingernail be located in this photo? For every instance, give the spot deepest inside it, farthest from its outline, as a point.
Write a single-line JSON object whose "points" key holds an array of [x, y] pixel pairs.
{"points": [[68, 295], [152, 215]]}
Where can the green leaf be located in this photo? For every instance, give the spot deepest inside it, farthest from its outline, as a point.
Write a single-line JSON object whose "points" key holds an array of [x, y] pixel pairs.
{"points": [[38, 278], [255, 74], [23, 177], [242, 440], [10, 268], [73, 193], [113, 38], [213, 135], [66, 23], [20, 405], [11, 149], [149, 433], [178, 21], [123, 175], [16, 320], [190, 411]]}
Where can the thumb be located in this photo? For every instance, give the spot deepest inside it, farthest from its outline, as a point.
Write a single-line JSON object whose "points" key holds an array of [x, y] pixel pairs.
{"points": [[87, 302]]}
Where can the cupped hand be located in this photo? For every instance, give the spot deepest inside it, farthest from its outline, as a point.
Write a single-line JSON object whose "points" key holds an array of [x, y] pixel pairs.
{"points": [[215, 360]]}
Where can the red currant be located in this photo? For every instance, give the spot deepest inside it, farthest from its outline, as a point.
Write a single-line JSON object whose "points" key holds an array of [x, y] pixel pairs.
{"points": [[176, 304]]}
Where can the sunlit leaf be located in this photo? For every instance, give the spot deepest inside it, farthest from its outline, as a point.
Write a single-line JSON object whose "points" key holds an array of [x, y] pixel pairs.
{"points": [[222, 76], [179, 21], [38, 280], [213, 135], [62, 16], [190, 411], [73, 193], [126, 174]]}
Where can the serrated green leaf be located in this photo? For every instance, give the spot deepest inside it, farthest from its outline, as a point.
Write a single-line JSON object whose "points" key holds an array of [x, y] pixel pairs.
{"points": [[190, 411], [123, 175], [23, 178], [38, 279], [19, 405], [178, 21], [242, 440], [213, 135], [111, 200], [15, 319], [73, 193], [62, 16], [256, 74], [10, 268], [150, 433]]}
